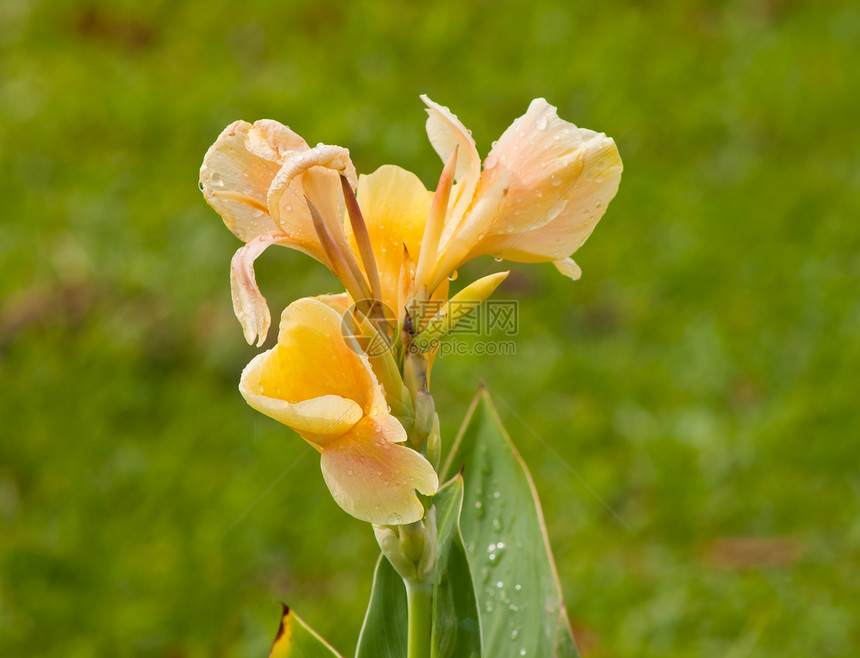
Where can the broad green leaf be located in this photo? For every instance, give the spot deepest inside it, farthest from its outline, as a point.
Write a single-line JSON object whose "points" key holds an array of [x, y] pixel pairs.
{"points": [[455, 624], [383, 634], [522, 612], [295, 639], [456, 621]]}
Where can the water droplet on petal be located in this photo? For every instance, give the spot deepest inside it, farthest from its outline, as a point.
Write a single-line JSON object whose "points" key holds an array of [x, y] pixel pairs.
{"points": [[540, 124], [498, 259], [200, 186], [555, 179], [453, 276], [490, 162]]}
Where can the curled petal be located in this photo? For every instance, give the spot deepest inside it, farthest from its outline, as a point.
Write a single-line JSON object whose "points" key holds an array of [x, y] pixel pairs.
{"points": [[249, 305], [561, 180], [314, 173], [238, 169], [373, 477]]}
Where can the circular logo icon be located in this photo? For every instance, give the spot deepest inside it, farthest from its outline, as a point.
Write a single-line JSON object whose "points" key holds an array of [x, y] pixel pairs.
{"points": [[368, 326]]}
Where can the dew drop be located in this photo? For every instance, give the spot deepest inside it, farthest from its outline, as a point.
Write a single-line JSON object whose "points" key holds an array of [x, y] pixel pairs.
{"points": [[496, 495], [523, 651], [514, 633], [555, 179], [540, 124], [498, 259], [349, 472], [598, 179], [497, 524], [479, 509], [509, 228], [490, 162], [522, 133], [453, 276], [500, 584], [200, 186], [518, 587], [598, 204]]}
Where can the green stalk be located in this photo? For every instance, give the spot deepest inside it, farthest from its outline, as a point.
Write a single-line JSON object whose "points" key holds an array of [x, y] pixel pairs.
{"points": [[419, 597]]}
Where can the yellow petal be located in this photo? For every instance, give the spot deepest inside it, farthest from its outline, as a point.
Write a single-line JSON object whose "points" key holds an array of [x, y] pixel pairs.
{"points": [[395, 205], [240, 165], [313, 363], [373, 477], [561, 180]]}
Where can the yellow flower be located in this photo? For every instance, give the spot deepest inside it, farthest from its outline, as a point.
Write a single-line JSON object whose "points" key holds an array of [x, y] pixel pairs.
{"points": [[318, 382], [540, 192], [543, 187]]}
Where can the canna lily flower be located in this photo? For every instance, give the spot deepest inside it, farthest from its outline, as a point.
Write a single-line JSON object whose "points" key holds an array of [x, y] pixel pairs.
{"points": [[542, 189], [539, 194], [320, 384]]}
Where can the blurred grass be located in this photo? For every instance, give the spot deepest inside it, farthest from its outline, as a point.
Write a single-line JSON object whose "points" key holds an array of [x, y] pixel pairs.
{"points": [[701, 378]]}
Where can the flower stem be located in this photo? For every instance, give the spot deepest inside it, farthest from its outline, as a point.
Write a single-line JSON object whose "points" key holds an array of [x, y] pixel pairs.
{"points": [[419, 597]]}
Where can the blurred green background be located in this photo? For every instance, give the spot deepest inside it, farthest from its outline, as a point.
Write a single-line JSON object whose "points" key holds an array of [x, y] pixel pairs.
{"points": [[689, 409]]}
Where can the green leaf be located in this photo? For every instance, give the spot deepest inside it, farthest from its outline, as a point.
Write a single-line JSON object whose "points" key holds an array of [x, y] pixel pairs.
{"points": [[455, 623], [522, 612], [383, 634], [295, 639]]}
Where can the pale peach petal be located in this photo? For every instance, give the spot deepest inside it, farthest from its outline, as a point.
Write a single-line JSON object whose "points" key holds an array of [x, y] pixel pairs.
{"points": [[249, 305], [561, 180], [458, 247], [568, 268], [374, 478], [446, 133], [238, 169], [395, 206]]}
